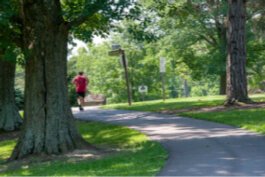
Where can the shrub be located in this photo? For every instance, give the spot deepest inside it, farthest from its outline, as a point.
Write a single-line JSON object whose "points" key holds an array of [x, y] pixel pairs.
{"points": [[19, 98]]}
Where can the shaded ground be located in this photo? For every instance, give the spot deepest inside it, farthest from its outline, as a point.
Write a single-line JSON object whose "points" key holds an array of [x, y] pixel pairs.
{"points": [[126, 153], [195, 147], [9, 135], [75, 156], [78, 155]]}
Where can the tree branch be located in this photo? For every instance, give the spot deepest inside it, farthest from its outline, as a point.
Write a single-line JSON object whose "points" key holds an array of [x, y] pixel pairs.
{"points": [[88, 11], [210, 41]]}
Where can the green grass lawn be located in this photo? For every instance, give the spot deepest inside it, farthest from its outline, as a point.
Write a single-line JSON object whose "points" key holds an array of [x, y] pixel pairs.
{"points": [[137, 156], [170, 104], [251, 119], [178, 103]]}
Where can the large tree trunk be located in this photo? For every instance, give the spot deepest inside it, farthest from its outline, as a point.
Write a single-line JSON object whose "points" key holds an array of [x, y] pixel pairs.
{"points": [[9, 116], [49, 124], [236, 58]]}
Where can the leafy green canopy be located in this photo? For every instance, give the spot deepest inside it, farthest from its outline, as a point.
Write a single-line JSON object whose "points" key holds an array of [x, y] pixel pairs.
{"points": [[10, 33], [195, 31], [96, 17], [84, 17]]}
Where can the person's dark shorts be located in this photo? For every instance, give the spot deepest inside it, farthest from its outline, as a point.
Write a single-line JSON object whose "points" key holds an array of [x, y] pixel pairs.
{"points": [[81, 94]]}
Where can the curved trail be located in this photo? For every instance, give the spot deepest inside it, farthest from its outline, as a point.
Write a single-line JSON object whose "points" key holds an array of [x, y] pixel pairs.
{"points": [[196, 147]]}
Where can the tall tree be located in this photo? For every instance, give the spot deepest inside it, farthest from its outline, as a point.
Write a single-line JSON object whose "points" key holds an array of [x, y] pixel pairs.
{"points": [[198, 23], [237, 55], [10, 118], [49, 125]]}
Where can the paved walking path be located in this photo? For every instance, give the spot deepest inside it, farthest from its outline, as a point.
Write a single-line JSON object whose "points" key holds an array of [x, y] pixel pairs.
{"points": [[195, 147]]}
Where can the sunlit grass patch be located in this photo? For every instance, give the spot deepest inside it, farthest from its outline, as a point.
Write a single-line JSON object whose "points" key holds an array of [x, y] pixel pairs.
{"points": [[178, 103], [251, 119], [107, 134], [170, 104], [6, 148], [144, 162]]}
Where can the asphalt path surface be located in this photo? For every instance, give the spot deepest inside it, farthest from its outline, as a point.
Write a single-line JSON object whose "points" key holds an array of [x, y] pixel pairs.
{"points": [[195, 147]]}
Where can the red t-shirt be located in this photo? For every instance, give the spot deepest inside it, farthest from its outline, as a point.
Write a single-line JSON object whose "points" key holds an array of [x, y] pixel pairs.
{"points": [[80, 83]]}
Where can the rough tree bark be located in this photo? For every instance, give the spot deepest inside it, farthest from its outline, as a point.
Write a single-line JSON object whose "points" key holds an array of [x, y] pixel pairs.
{"points": [[49, 125], [9, 116], [236, 47]]}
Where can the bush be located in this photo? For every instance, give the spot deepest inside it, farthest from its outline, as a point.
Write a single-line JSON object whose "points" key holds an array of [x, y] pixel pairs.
{"points": [[71, 89], [19, 98]]}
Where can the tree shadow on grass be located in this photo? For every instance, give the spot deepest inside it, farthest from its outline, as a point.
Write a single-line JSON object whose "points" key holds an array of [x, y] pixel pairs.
{"points": [[130, 154], [145, 160]]}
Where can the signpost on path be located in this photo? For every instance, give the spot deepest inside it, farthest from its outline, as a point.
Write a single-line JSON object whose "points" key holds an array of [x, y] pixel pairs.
{"points": [[117, 51], [143, 89], [162, 72]]}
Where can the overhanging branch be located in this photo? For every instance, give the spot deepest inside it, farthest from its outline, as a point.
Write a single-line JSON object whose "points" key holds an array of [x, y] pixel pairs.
{"points": [[88, 11], [210, 40]]}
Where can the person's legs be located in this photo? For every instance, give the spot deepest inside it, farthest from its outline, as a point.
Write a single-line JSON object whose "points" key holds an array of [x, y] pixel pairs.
{"points": [[81, 100], [78, 100]]}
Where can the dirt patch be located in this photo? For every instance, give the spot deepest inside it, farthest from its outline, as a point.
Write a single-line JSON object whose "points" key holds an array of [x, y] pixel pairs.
{"points": [[217, 108]]}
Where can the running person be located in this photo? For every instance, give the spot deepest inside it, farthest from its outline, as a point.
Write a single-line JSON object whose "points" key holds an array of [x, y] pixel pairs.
{"points": [[81, 82]]}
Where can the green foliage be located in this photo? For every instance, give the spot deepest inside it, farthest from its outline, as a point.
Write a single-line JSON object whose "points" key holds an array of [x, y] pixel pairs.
{"points": [[256, 62], [10, 30], [19, 98], [96, 17], [71, 87], [137, 156], [204, 88], [199, 41], [20, 78], [195, 31], [106, 74]]}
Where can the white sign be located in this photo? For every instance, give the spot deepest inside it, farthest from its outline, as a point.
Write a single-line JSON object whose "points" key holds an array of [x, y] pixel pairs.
{"points": [[115, 47], [143, 89], [171, 1], [162, 65]]}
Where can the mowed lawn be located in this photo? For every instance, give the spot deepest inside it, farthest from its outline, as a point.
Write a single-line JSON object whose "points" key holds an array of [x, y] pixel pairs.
{"points": [[178, 103], [132, 154], [170, 104], [251, 119]]}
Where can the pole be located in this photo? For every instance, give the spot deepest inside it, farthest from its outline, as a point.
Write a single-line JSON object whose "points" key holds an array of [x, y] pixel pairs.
{"points": [[143, 94], [186, 89], [163, 85], [163, 71], [126, 77]]}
